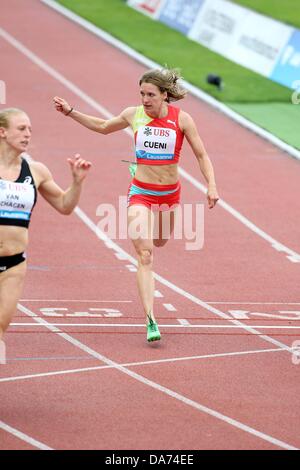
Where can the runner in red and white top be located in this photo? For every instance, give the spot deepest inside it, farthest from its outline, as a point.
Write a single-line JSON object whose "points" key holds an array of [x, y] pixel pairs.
{"points": [[159, 129]]}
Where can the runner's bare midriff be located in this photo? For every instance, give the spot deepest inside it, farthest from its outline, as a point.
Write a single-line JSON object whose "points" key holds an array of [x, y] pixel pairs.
{"points": [[157, 174], [13, 240]]}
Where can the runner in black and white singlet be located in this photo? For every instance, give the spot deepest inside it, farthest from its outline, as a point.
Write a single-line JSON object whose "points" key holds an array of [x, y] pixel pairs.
{"points": [[19, 182], [159, 129]]}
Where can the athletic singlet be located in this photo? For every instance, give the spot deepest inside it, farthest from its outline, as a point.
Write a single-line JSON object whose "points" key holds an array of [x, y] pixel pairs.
{"points": [[17, 198], [157, 141]]}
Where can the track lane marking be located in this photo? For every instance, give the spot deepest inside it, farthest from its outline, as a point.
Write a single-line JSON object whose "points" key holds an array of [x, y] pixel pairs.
{"points": [[161, 325], [24, 437], [278, 246], [150, 383], [140, 363], [76, 300]]}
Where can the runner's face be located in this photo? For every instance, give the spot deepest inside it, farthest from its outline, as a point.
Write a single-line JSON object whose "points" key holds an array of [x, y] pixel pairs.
{"points": [[152, 98], [18, 134]]}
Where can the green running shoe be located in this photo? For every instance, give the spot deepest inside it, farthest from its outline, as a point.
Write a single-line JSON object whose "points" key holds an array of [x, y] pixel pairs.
{"points": [[153, 333]]}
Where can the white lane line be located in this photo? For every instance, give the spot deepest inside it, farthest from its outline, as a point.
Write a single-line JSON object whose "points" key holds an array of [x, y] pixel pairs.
{"points": [[240, 314], [24, 437], [278, 246], [290, 254], [157, 294], [141, 363], [120, 256], [131, 268], [170, 307], [76, 301], [150, 383], [252, 303], [191, 88], [161, 325]]}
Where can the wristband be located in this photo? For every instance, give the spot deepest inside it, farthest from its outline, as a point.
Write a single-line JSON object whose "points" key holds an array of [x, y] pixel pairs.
{"points": [[69, 112]]}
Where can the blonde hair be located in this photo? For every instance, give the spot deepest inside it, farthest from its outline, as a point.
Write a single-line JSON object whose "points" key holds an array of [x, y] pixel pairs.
{"points": [[5, 115], [166, 80]]}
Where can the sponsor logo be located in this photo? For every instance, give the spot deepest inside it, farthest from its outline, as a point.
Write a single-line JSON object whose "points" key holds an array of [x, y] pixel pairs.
{"points": [[147, 131], [28, 180], [157, 131], [14, 214], [172, 122]]}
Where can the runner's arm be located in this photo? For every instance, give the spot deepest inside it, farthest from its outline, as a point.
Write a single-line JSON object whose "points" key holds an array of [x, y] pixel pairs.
{"points": [[63, 201], [191, 133], [103, 126]]}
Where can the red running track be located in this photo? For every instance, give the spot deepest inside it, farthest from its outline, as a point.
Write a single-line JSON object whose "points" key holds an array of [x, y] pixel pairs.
{"points": [[94, 382]]}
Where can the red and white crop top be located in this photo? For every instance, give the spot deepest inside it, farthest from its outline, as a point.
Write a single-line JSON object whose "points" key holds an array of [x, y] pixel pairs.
{"points": [[158, 141]]}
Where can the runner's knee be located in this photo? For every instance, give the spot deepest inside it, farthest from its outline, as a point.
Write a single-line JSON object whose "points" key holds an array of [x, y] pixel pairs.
{"points": [[145, 257]]}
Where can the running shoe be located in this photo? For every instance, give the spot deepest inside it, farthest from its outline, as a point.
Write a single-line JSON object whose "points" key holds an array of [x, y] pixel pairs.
{"points": [[153, 333]]}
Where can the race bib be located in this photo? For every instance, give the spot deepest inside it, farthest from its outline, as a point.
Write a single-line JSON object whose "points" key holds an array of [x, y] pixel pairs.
{"points": [[16, 200], [155, 143]]}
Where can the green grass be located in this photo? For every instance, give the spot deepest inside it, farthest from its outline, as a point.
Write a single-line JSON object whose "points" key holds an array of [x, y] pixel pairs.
{"points": [[195, 61], [287, 11], [243, 89], [281, 119]]}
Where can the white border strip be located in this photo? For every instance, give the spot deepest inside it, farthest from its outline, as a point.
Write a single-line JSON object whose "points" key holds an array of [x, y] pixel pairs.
{"points": [[150, 383], [191, 88], [23, 437]]}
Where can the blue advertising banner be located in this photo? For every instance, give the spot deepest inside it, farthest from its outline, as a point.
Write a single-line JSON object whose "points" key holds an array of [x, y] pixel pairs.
{"points": [[287, 68], [180, 14]]}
